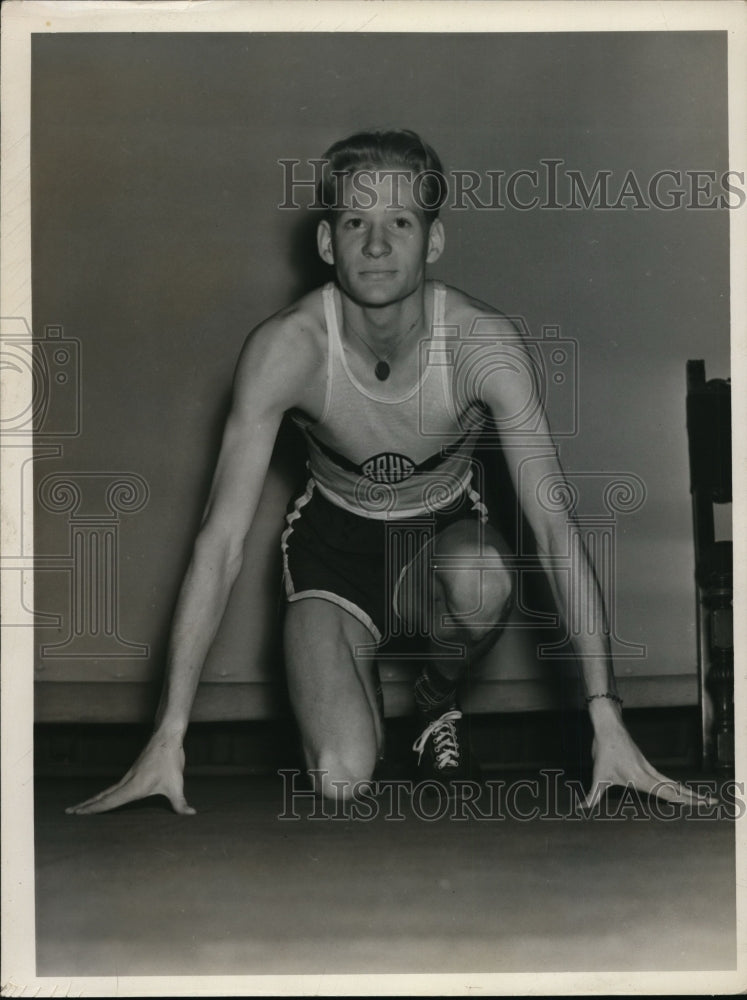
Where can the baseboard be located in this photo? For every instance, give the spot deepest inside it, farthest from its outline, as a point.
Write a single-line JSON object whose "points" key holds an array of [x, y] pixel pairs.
{"points": [[669, 737], [121, 702]]}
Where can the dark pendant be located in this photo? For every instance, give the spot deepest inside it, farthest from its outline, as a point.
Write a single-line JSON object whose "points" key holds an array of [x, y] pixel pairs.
{"points": [[382, 371]]}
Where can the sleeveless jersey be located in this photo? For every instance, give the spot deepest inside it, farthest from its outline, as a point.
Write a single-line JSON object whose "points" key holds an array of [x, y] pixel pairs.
{"points": [[383, 457]]}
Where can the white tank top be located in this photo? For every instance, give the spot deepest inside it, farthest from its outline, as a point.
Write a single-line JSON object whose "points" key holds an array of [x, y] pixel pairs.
{"points": [[385, 457]]}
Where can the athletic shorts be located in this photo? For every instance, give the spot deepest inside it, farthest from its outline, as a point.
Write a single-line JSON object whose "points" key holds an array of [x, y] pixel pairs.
{"points": [[358, 562]]}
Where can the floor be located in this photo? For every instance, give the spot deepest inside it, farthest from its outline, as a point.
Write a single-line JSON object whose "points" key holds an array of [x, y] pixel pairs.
{"points": [[238, 890]]}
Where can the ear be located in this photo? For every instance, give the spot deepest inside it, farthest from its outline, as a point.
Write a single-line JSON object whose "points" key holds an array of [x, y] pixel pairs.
{"points": [[324, 242], [436, 242]]}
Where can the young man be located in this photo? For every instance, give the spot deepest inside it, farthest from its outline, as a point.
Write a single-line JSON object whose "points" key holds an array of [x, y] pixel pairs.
{"points": [[383, 372]]}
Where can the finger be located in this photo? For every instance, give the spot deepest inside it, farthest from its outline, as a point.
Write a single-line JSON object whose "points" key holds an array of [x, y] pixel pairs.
{"points": [[652, 782], [180, 805], [100, 805], [706, 797], [594, 796], [675, 791], [95, 798], [174, 792], [664, 789], [121, 794], [117, 796]]}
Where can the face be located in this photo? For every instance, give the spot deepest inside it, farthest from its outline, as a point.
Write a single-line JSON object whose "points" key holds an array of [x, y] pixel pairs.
{"points": [[379, 241]]}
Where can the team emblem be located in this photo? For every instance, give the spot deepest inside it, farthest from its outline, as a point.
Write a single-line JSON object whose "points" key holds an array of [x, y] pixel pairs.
{"points": [[388, 467]]}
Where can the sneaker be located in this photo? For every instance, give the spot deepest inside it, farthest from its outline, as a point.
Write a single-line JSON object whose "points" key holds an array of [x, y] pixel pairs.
{"points": [[443, 750]]}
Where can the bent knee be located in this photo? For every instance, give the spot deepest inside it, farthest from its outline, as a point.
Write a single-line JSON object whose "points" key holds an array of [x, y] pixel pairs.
{"points": [[480, 595]]}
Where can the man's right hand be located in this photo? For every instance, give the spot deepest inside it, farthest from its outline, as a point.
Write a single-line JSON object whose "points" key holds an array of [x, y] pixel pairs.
{"points": [[159, 770]]}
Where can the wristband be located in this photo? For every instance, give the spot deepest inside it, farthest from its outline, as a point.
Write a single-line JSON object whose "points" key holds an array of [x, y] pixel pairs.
{"points": [[607, 694]]}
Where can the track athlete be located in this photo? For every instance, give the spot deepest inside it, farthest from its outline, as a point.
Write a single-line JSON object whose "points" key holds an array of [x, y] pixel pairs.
{"points": [[383, 373]]}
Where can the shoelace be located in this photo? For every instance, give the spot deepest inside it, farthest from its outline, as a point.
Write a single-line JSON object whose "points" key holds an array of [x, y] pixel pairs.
{"points": [[445, 743]]}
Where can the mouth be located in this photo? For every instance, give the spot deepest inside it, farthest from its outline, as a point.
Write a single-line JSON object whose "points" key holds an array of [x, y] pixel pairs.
{"points": [[377, 274]]}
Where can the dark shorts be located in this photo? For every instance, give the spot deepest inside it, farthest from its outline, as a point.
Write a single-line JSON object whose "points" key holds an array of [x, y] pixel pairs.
{"points": [[358, 562]]}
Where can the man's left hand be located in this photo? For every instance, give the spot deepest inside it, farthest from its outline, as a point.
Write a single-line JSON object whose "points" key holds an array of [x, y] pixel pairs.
{"points": [[618, 761]]}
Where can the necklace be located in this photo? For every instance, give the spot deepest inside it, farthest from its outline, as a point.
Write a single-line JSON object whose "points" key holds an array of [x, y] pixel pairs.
{"points": [[383, 370]]}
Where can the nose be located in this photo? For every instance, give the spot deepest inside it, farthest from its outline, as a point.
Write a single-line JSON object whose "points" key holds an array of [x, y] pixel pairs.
{"points": [[376, 244]]}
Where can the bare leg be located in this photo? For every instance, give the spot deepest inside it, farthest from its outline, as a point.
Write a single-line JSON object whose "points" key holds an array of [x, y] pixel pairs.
{"points": [[465, 606], [470, 606], [333, 694]]}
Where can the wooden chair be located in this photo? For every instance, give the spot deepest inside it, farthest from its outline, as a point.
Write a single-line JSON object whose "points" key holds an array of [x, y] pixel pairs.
{"points": [[709, 440]]}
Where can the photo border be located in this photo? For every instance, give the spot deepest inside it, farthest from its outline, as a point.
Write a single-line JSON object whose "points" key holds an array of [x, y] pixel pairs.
{"points": [[19, 21]]}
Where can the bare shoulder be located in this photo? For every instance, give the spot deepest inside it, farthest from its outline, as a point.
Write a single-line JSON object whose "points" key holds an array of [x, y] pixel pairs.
{"points": [[285, 355], [493, 365], [474, 318]]}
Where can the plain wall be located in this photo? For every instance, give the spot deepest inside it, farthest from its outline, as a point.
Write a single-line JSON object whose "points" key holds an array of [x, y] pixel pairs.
{"points": [[158, 244]]}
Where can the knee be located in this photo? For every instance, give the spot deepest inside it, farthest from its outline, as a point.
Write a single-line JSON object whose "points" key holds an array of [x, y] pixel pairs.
{"points": [[496, 585], [480, 598], [500, 588], [339, 776]]}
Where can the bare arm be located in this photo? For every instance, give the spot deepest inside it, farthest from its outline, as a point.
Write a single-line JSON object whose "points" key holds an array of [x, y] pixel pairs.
{"points": [[268, 380], [533, 463], [217, 556]]}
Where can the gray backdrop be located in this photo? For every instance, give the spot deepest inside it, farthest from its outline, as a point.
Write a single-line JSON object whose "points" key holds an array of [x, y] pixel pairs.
{"points": [[158, 244]]}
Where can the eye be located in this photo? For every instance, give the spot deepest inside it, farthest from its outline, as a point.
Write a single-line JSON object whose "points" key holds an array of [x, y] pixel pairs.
{"points": [[353, 223], [402, 222]]}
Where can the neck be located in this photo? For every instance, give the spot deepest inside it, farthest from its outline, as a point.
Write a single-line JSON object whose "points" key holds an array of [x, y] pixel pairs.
{"points": [[385, 326]]}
